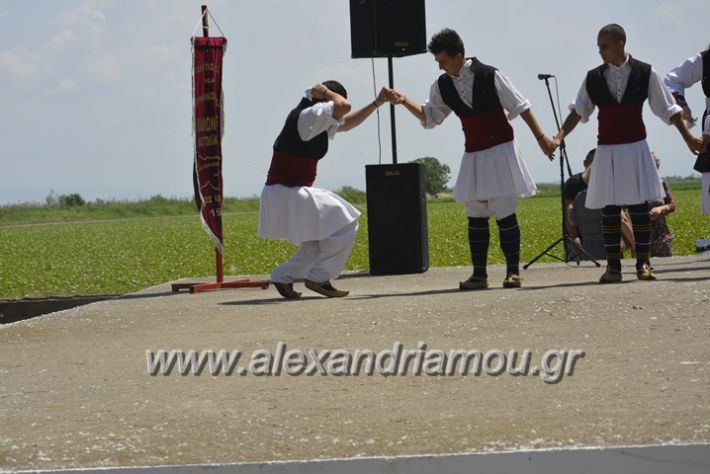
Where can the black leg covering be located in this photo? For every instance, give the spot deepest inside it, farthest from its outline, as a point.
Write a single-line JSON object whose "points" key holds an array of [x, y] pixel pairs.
{"points": [[509, 233], [478, 240]]}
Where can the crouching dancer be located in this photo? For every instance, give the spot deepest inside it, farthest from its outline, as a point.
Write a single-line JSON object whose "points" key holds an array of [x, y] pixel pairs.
{"points": [[321, 223]]}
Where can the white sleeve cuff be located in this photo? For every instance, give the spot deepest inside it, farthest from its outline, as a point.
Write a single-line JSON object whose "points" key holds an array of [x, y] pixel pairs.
{"points": [[522, 107], [431, 121], [670, 112], [581, 111]]}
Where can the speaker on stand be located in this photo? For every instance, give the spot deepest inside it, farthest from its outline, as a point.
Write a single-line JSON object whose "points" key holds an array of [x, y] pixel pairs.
{"points": [[396, 200]]}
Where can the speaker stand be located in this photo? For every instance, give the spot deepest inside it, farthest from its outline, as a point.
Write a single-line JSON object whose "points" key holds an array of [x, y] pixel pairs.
{"points": [[390, 70]]}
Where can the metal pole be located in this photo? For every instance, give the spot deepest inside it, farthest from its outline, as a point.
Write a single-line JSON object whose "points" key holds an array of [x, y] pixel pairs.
{"points": [[394, 130]]}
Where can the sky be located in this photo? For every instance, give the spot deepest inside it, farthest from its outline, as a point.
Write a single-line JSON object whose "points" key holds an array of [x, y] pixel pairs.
{"points": [[95, 95]]}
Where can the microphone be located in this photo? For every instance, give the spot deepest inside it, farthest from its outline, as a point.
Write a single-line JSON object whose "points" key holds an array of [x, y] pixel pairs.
{"points": [[545, 76]]}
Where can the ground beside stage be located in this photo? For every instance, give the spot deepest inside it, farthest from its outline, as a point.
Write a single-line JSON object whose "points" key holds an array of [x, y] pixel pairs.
{"points": [[75, 390]]}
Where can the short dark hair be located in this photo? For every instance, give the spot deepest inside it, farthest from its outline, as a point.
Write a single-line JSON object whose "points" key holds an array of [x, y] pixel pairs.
{"points": [[336, 87], [446, 40], [616, 32]]}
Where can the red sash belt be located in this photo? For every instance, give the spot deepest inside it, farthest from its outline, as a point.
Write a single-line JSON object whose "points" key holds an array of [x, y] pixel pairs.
{"points": [[621, 124], [291, 170], [486, 130]]}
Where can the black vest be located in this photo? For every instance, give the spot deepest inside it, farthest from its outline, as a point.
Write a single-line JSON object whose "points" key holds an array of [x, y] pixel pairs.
{"points": [[290, 142], [636, 89], [485, 96]]}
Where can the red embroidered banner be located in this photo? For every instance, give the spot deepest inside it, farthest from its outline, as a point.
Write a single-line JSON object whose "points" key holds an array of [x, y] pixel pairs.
{"points": [[207, 128]]}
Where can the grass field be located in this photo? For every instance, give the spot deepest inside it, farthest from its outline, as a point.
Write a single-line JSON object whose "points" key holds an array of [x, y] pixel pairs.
{"points": [[108, 253]]}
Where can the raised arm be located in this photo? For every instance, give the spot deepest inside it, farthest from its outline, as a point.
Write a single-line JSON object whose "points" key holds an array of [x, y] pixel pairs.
{"points": [[354, 119], [415, 108], [341, 106]]}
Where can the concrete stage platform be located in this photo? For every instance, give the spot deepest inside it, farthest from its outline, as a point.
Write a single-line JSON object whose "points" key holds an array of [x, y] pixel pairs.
{"points": [[75, 390]]}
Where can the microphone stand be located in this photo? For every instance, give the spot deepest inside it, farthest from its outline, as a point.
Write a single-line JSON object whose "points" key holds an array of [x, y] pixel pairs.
{"points": [[568, 242]]}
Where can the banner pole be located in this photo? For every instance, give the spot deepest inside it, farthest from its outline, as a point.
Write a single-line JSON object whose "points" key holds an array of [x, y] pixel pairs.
{"points": [[219, 260], [210, 128], [205, 25]]}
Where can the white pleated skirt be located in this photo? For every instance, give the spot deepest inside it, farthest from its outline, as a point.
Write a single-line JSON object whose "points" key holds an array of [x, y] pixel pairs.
{"points": [[623, 175], [496, 172], [301, 214]]}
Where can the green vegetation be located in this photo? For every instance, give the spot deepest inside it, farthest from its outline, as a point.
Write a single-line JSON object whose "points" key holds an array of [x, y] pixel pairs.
{"points": [[436, 175], [112, 247]]}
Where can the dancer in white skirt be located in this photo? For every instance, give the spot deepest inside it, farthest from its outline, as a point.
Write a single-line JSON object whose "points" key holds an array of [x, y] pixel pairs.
{"points": [[695, 69], [322, 223], [623, 171], [492, 174]]}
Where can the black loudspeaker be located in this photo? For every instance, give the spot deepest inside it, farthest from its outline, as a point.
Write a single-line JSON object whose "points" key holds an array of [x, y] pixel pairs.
{"points": [[396, 219], [383, 28]]}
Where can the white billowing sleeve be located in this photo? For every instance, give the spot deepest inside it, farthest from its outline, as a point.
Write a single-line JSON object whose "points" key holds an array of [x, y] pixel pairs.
{"points": [[685, 75], [583, 104], [435, 109], [511, 100], [660, 98], [317, 119]]}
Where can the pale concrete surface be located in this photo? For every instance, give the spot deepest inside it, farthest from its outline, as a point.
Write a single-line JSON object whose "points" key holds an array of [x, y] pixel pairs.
{"points": [[75, 390]]}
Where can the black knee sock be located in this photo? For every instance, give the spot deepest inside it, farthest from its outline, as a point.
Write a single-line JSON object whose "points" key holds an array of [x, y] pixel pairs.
{"points": [[641, 224], [478, 239], [509, 233], [611, 229]]}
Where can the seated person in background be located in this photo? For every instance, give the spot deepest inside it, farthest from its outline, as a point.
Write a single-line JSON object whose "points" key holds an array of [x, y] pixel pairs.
{"points": [[573, 186], [585, 226], [661, 235]]}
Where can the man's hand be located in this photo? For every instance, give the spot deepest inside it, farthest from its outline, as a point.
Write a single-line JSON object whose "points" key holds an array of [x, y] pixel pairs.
{"points": [[687, 115], [695, 144], [318, 91], [547, 146], [655, 213], [394, 96]]}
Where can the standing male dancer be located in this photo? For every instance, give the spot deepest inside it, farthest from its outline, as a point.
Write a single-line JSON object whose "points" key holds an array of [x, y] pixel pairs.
{"points": [[623, 171], [492, 174]]}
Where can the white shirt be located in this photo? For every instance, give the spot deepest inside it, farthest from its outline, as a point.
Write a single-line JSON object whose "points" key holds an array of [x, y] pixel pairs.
{"points": [[660, 99], [685, 75], [316, 119], [436, 110]]}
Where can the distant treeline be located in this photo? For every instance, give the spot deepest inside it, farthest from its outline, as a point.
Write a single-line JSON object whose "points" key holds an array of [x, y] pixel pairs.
{"points": [[72, 207]]}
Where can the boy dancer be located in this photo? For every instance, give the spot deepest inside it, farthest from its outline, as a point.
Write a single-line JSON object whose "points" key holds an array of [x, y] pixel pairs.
{"points": [[322, 223], [623, 172], [492, 174]]}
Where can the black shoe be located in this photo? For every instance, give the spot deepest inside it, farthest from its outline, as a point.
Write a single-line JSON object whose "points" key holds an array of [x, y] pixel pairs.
{"points": [[326, 289], [611, 275], [286, 290], [474, 283]]}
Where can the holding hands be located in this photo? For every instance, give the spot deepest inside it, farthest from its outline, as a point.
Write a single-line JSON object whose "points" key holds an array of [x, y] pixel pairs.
{"points": [[389, 95]]}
